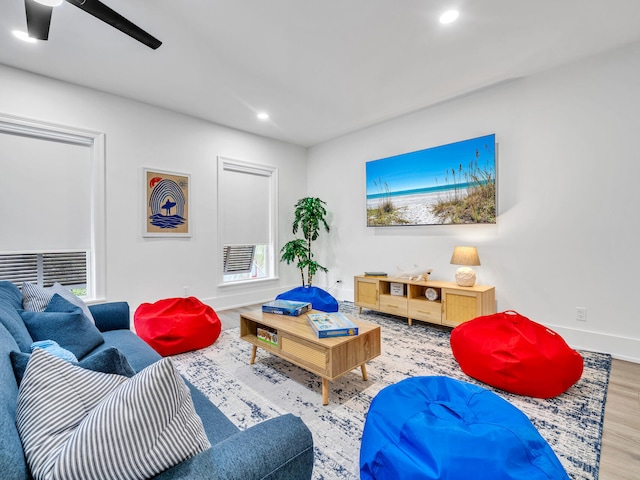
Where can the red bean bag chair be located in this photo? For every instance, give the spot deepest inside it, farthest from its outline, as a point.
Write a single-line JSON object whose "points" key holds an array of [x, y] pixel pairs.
{"points": [[176, 325], [510, 352]]}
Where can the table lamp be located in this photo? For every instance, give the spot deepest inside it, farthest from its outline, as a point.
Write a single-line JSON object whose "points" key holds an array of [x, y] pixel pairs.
{"points": [[465, 276]]}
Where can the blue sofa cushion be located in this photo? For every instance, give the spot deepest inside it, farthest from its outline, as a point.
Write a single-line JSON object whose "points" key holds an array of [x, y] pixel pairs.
{"points": [[10, 304], [63, 409], [111, 316], [12, 463], [110, 360], [64, 323], [138, 353]]}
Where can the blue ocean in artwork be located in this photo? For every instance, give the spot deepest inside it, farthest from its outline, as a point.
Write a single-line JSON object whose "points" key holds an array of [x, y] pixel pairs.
{"points": [[166, 221], [420, 191]]}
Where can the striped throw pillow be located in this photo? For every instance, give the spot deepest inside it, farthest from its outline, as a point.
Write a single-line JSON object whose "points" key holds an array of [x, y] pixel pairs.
{"points": [[35, 298], [80, 424]]}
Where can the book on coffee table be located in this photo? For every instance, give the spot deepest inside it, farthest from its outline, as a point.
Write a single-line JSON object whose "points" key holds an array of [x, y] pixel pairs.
{"points": [[286, 307], [333, 324]]}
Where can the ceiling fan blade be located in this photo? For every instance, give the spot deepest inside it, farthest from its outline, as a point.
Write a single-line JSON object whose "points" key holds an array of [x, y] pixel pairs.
{"points": [[113, 18], [38, 19]]}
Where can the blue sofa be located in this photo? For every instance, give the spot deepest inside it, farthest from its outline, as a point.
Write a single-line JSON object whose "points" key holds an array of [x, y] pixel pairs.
{"points": [[280, 448]]}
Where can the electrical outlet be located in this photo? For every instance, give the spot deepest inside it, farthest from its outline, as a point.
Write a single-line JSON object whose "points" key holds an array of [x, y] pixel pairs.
{"points": [[581, 314], [186, 290]]}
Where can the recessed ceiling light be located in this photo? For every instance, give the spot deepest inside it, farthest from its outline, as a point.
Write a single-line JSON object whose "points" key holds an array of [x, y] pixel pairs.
{"points": [[24, 36], [449, 16], [263, 116], [50, 3]]}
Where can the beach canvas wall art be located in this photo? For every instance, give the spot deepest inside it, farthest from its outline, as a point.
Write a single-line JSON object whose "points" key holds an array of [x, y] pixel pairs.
{"points": [[166, 204], [451, 184]]}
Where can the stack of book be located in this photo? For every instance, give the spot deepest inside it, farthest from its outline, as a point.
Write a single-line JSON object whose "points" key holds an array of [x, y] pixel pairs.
{"points": [[333, 324], [286, 307], [375, 274]]}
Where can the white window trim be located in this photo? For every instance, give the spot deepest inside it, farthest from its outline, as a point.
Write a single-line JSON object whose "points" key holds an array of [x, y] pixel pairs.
{"points": [[230, 164], [96, 142]]}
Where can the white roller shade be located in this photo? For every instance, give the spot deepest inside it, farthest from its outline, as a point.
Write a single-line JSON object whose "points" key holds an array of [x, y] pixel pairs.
{"points": [[45, 194], [245, 196]]}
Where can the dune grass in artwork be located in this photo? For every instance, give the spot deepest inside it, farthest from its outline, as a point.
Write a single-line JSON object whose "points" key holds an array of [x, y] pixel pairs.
{"points": [[385, 213], [475, 203], [450, 184]]}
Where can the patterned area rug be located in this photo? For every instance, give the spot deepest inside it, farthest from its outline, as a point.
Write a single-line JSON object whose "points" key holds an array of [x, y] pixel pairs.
{"points": [[250, 394]]}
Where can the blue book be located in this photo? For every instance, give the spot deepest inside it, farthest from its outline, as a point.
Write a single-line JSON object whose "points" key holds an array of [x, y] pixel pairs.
{"points": [[286, 307], [334, 324]]}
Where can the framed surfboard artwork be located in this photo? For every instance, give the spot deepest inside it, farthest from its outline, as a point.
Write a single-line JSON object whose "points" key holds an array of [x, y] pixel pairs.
{"points": [[166, 204]]}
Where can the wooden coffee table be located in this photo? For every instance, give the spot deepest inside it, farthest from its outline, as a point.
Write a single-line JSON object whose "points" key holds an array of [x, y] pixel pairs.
{"points": [[330, 358]]}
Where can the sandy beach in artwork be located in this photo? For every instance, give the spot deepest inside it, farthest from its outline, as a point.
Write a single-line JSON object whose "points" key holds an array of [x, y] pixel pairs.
{"points": [[414, 208]]}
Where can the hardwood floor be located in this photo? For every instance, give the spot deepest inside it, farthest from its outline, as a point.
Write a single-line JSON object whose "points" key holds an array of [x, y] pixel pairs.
{"points": [[620, 455], [231, 318]]}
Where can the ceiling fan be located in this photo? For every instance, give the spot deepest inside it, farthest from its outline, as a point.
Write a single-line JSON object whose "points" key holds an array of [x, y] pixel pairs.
{"points": [[39, 19]]}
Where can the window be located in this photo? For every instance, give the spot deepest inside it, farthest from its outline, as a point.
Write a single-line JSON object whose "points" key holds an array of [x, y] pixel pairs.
{"points": [[52, 192], [247, 212]]}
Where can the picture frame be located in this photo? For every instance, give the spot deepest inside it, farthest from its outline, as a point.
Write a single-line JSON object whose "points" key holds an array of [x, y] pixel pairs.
{"points": [[452, 184], [167, 203]]}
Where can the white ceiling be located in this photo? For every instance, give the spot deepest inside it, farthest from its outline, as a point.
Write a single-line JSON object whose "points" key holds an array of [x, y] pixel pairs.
{"points": [[321, 68]]}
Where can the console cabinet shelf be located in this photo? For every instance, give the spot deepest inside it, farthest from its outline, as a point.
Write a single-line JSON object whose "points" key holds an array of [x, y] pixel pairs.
{"points": [[407, 298]]}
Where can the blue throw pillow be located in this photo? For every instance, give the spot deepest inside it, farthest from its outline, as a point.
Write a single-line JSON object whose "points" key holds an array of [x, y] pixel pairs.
{"points": [[74, 299], [65, 324], [110, 360]]}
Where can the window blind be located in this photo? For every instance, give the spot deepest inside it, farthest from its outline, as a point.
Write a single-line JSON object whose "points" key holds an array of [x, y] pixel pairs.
{"points": [[67, 268], [238, 258], [45, 194], [245, 205]]}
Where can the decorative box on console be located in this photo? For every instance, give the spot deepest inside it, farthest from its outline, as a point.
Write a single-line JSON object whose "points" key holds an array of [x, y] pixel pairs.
{"points": [[396, 288]]}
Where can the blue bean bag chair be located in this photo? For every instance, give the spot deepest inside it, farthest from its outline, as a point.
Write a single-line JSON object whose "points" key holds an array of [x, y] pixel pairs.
{"points": [[441, 428], [317, 297]]}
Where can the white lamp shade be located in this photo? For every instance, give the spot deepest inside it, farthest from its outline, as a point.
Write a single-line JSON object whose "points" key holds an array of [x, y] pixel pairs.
{"points": [[465, 256], [50, 3]]}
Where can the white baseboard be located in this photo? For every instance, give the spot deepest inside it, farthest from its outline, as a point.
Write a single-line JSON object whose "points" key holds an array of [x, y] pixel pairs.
{"points": [[622, 348]]}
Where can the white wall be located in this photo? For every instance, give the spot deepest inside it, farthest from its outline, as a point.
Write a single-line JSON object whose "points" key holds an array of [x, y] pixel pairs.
{"points": [[567, 231], [138, 135], [567, 225]]}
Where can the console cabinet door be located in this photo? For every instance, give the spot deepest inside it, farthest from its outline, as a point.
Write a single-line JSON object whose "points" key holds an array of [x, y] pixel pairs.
{"points": [[460, 306], [366, 292]]}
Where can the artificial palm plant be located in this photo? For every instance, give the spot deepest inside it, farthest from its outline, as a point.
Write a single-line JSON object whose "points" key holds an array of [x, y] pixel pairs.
{"points": [[309, 217]]}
